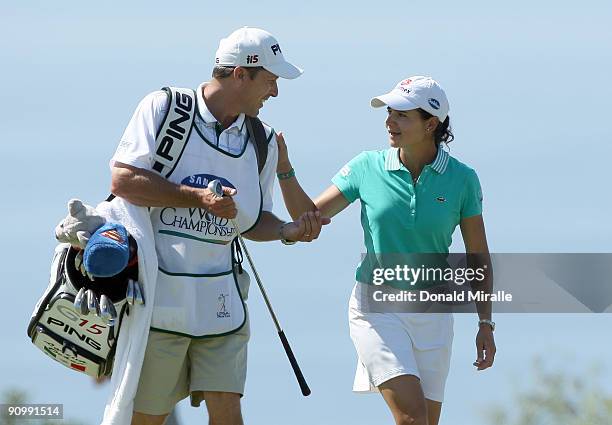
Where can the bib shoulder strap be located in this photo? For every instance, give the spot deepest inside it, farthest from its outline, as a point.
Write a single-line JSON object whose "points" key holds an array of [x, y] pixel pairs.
{"points": [[257, 135], [175, 130]]}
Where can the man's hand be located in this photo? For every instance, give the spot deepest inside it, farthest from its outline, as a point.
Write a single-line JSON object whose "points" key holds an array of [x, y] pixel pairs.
{"points": [[485, 344], [221, 207], [306, 229], [80, 223]]}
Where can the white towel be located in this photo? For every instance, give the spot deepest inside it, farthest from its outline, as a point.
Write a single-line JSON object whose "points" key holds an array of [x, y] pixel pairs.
{"points": [[135, 327]]}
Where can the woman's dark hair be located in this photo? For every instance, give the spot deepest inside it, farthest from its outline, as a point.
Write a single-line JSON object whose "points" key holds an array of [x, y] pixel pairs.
{"points": [[443, 132], [220, 72]]}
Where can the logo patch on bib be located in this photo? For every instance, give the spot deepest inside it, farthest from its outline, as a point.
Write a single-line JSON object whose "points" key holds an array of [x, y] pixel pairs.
{"points": [[222, 308], [202, 180]]}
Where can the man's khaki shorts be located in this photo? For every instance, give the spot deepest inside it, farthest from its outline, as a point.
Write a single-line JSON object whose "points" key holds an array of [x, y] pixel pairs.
{"points": [[175, 367]]}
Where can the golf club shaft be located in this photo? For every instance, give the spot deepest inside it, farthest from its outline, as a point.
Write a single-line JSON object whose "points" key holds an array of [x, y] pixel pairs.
{"points": [[261, 287], [281, 334], [216, 188]]}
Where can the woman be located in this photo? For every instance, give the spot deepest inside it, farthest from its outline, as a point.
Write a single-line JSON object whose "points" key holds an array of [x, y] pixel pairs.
{"points": [[413, 195]]}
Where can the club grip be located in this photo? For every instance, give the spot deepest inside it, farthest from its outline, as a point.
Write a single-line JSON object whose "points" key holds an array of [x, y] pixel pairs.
{"points": [[294, 364]]}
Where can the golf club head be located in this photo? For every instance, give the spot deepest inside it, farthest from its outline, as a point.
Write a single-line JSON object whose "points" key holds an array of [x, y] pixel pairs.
{"points": [[78, 261], [138, 293], [216, 187], [112, 313], [92, 303], [104, 311], [130, 292], [79, 299], [80, 266], [84, 305]]}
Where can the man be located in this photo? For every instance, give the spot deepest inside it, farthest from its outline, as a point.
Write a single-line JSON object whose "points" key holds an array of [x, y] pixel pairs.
{"points": [[186, 353]]}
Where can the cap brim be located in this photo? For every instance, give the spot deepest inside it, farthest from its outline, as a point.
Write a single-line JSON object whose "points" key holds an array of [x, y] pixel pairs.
{"points": [[394, 101], [284, 70]]}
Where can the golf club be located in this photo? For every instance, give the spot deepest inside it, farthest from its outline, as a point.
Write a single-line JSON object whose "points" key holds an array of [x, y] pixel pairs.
{"points": [[92, 303], [113, 313], [130, 295], [138, 293], [104, 310], [79, 300], [216, 187]]}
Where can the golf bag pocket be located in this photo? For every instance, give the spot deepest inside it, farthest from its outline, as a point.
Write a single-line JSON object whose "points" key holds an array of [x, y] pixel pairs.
{"points": [[204, 305], [244, 281], [82, 341]]}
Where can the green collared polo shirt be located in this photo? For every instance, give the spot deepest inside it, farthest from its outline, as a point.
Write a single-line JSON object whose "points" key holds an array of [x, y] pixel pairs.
{"points": [[399, 217]]}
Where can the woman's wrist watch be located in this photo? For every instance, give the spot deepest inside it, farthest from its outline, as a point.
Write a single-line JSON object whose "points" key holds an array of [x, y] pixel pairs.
{"points": [[488, 322], [282, 237]]}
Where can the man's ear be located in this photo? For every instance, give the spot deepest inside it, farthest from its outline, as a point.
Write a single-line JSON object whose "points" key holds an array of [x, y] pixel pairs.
{"points": [[240, 73]]}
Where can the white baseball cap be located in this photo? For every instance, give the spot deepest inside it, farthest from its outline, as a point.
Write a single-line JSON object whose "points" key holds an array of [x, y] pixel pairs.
{"points": [[251, 47], [413, 93]]}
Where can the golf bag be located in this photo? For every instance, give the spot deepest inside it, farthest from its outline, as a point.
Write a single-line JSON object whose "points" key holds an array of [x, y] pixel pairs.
{"points": [[82, 342]]}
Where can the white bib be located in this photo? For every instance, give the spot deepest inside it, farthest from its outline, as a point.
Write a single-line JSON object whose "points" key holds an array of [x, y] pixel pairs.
{"points": [[197, 291]]}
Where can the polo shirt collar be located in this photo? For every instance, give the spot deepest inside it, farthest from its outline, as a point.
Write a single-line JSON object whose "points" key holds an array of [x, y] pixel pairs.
{"points": [[393, 163], [208, 117]]}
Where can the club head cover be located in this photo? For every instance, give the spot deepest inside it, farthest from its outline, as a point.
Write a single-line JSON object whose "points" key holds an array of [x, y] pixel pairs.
{"points": [[108, 251]]}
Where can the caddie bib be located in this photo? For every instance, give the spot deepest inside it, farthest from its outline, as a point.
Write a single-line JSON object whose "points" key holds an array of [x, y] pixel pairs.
{"points": [[197, 293]]}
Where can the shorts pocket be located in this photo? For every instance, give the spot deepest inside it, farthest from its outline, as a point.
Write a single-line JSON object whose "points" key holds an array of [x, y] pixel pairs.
{"points": [[430, 331]]}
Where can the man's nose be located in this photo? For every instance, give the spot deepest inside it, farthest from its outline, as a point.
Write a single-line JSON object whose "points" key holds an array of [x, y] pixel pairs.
{"points": [[274, 89]]}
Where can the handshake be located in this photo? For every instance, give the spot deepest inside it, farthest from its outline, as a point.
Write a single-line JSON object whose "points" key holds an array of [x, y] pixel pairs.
{"points": [[306, 228]]}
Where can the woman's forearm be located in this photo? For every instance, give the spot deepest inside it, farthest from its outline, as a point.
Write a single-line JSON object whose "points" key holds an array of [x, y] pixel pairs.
{"points": [[329, 203], [296, 200]]}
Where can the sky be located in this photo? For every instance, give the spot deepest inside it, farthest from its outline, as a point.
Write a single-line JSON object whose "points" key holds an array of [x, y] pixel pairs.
{"points": [[529, 105]]}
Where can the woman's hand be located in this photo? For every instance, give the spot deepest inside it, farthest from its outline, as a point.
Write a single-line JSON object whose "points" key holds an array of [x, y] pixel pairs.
{"points": [[307, 228], [283, 165], [485, 344]]}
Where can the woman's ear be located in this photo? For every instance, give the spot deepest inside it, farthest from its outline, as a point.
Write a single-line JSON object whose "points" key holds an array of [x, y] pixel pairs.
{"points": [[431, 124]]}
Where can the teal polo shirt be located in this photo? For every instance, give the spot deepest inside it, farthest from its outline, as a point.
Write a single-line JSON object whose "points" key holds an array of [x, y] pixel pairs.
{"points": [[399, 217]]}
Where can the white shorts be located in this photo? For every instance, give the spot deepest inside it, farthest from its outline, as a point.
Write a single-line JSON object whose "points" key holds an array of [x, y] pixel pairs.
{"points": [[394, 344]]}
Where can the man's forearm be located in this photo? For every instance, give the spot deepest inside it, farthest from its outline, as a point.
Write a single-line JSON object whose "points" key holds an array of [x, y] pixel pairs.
{"points": [[267, 229], [148, 189]]}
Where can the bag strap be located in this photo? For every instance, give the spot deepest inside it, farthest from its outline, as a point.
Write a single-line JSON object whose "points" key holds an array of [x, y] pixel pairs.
{"points": [[176, 127], [257, 134], [174, 131]]}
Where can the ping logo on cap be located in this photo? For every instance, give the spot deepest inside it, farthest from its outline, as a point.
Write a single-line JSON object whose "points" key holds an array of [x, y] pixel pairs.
{"points": [[112, 234], [433, 103], [276, 48]]}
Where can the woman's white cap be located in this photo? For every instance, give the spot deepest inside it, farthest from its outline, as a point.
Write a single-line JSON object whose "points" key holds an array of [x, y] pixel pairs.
{"points": [[413, 93], [251, 47]]}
